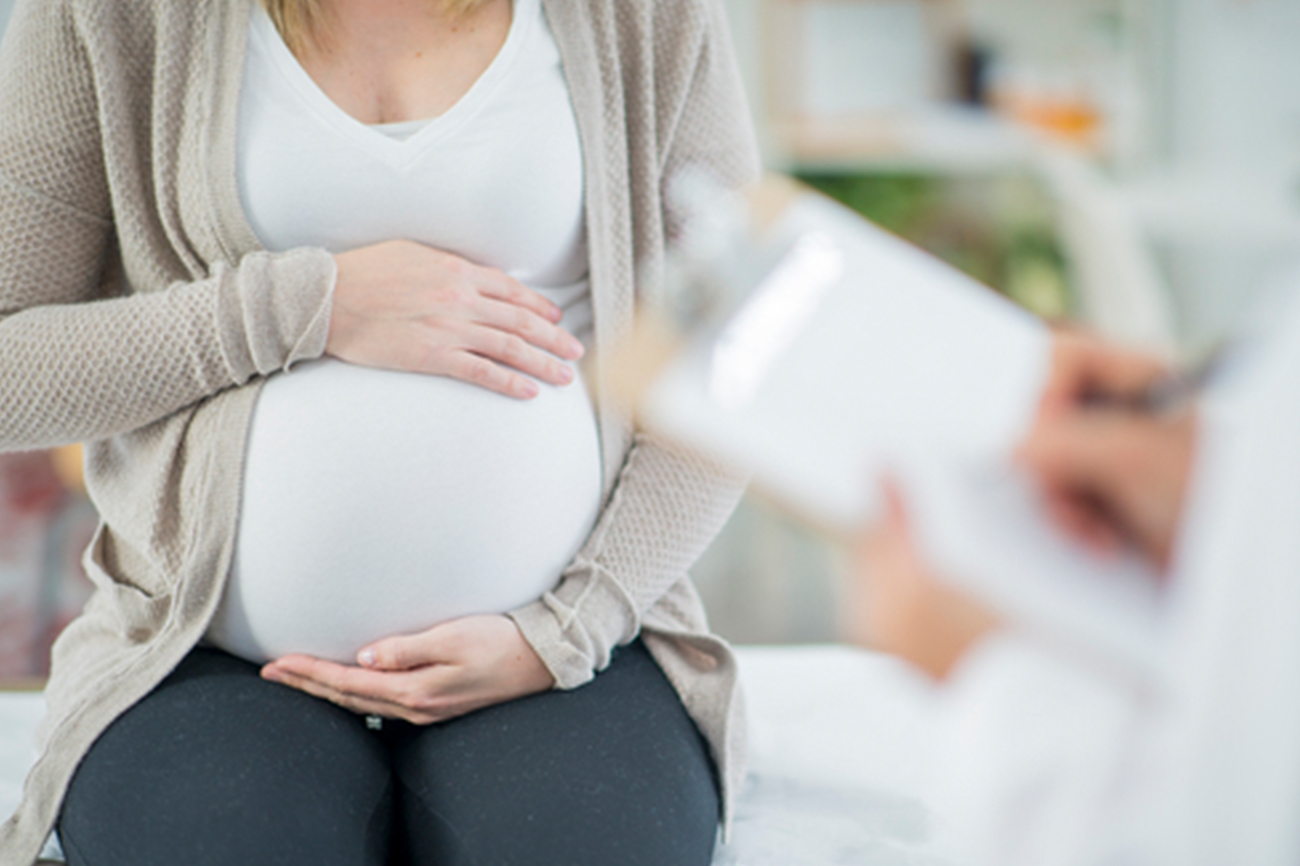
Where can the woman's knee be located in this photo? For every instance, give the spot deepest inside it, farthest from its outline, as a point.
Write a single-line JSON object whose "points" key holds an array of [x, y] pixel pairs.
{"points": [[219, 766], [613, 772]]}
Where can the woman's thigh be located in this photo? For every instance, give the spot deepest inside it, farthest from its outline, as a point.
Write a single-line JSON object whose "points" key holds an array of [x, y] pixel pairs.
{"points": [[218, 766], [614, 772]]}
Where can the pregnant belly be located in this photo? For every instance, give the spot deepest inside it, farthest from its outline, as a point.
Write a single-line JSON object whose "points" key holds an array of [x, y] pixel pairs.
{"points": [[379, 503]]}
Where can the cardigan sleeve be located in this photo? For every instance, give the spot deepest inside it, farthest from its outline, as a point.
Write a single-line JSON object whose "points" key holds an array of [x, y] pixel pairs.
{"points": [[79, 361], [668, 503], [667, 507]]}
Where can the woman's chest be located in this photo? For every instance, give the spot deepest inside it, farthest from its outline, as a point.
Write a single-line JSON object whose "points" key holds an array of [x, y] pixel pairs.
{"points": [[497, 179], [391, 60]]}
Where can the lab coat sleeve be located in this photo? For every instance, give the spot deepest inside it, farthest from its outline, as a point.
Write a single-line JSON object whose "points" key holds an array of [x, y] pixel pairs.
{"points": [[1033, 752]]}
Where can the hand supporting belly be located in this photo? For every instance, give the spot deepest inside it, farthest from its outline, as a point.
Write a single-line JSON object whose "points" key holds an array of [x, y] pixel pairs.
{"points": [[435, 675], [404, 306]]}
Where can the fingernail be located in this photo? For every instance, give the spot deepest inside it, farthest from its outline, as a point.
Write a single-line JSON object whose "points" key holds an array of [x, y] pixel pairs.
{"points": [[367, 658], [531, 390], [576, 349], [566, 375]]}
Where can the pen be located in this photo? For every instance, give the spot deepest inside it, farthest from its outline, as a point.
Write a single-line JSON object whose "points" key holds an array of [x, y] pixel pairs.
{"points": [[1165, 397]]}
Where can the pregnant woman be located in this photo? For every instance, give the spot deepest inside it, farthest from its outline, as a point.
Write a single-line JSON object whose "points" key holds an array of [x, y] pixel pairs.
{"points": [[383, 577]]}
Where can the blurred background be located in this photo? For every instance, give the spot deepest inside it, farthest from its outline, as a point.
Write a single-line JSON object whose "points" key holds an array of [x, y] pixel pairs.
{"points": [[1133, 165], [1130, 164]]}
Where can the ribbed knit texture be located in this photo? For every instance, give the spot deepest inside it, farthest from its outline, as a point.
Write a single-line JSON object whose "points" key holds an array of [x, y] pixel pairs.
{"points": [[138, 312]]}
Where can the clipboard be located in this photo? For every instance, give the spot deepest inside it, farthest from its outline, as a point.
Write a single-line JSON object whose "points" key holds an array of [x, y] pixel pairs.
{"points": [[839, 353]]}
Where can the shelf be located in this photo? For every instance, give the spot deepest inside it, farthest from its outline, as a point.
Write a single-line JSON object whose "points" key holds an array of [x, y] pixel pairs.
{"points": [[939, 139]]}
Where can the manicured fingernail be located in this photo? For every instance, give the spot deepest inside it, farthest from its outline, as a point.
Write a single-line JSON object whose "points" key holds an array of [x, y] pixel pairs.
{"points": [[367, 657]]}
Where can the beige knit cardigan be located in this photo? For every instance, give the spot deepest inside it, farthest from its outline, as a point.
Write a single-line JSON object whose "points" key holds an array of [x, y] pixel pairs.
{"points": [[139, 313]]}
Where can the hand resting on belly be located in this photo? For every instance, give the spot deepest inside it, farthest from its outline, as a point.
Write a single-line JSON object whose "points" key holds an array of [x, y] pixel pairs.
{"points": [[451, 669], [401, 305]]}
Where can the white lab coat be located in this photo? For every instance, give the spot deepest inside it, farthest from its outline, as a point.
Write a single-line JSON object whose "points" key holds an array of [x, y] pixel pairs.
{"points": [[1052, 760]]}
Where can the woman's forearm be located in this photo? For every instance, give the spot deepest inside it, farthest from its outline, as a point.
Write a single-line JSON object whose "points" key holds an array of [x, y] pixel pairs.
{"points": [[83, 371], [667, 507], [75, 365]]}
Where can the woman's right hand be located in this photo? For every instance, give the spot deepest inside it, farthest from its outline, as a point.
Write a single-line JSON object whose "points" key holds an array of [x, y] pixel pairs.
{"points": [[401, 305]]}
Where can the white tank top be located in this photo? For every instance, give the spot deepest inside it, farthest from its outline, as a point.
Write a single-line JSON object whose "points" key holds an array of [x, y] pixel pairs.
{"points": [[379, 503]]}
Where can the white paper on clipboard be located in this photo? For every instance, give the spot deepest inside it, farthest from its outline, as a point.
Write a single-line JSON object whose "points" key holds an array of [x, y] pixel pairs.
{"points": [[858, 354]]}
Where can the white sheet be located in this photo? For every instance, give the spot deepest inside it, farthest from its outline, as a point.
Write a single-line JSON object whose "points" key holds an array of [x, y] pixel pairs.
{"points": [[19, 714], [837, 740]]}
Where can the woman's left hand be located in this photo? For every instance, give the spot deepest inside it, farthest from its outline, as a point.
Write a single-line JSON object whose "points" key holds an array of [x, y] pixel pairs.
{"points": [[452, 669]]}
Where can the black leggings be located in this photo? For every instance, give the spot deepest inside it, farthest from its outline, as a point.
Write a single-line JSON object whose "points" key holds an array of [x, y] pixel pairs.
{"points": [[218, 766]]}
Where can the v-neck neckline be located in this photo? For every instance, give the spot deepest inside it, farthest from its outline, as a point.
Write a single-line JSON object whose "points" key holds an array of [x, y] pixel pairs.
{"points": [[400, 152]]}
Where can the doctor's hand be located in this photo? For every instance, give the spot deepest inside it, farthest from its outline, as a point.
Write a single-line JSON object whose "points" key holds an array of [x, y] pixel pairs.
{"points": [[1083, 366], [1109, 476], [452, 669], [898, 606], [401, 305], [1115, 477]]}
